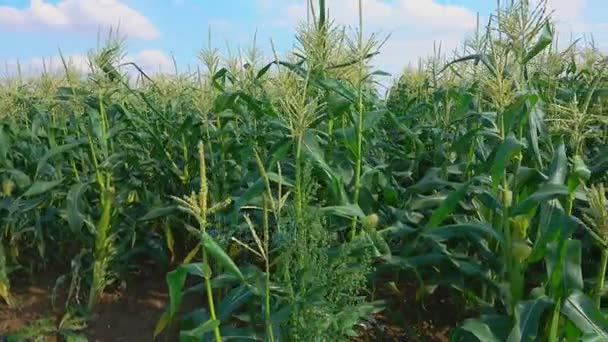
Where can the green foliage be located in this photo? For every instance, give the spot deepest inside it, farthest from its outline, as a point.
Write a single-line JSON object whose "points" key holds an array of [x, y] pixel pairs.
{"points": [[481, 174]]}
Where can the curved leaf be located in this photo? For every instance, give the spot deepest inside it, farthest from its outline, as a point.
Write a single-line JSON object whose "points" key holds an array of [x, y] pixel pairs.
{"points": [[220, 256], [41, 187], [528, 315], [158, 212], [447, 207], [581, 311], [74, 216], [545, 193]]}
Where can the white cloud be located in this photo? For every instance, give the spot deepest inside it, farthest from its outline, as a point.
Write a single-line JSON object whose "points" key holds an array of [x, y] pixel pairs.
{"points": [[78, 15], [36, 65], [567, 10], [152, 61]]}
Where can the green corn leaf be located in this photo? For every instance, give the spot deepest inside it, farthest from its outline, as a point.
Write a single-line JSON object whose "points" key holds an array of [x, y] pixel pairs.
{"points": [[573, 274], [528, 315], [21, 179], [373, 118], [415, 262], [198, 332], [233, 301], [254, 191], [484, 58], [41, 187], [448, 206], [547, 192], [545, 39], [53, 152], [580, 168], [528, 176], [159, 212], [470, 229], [485, 329], [347, 211], [175, 281], [564, 265], [559, 165], [4, 145], [517, 111], [74, 215], [509, 148], [552, 221], [162, 323], [264, 70], [600, 163], [220, 256], [582, 312], [536, 126]]}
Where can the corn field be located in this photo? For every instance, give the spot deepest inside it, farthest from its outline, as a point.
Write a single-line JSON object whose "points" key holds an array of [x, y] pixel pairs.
{"points": [[291, 198]]}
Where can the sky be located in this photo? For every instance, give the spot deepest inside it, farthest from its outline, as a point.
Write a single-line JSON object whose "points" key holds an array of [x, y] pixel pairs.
{"points": [[160, 31]]}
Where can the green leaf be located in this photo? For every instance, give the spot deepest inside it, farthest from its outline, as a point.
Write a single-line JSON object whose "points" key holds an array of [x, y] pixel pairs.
{"points": [[347, 211], [158, 212], [559, 165], [198, 332], [264, 70], [484, 58], [547, 192], [486, 328], [53, 152], [254, 190], [528, 315], [600, 163], [40, 187], [471, 229], [580, 168], [220, 256], [272, 176], [518, 110], [175, 280], [233, 300], [372, 118], [573, 274], [21, 179], [415, 262], [536, 126], [582, 312], [447, 207], [564, 265], [4, 145], [74, 215], [528, 176], [509, 148], [162, 323], [552, 221], [544, 40]]}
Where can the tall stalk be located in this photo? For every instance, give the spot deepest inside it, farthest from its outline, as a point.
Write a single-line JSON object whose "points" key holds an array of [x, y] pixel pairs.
{"points": [[267, 309], [597, 217], [359, 128], [601, 279], [102, 239], [203, 205]]}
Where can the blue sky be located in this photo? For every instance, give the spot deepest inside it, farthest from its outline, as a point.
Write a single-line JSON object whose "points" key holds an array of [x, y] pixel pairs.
{"points": [[158, 29]]}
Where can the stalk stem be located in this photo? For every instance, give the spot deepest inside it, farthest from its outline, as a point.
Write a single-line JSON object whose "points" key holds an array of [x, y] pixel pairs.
{"points": [[601, 277], [359, 156]]}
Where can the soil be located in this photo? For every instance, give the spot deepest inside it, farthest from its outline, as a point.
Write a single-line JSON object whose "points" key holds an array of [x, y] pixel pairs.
{"points": [[431, 319], [127, 314], [130, 313]]}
